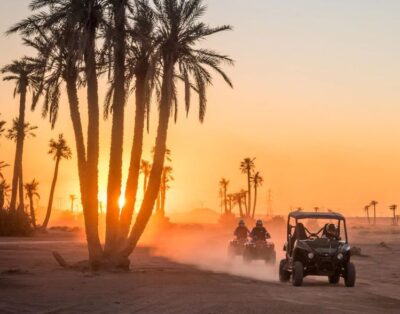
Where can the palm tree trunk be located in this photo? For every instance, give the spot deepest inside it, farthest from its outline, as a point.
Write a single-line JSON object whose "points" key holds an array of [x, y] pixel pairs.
{"points": [[20, 144], [255, 202], [225, 201], [374, 214], [32, 210], [117, 132], [245, 205], [249, 191], [91, 178], [163, 197], [158, 161], [136, 156], [21, 204], [53, 187], [240, 207]]}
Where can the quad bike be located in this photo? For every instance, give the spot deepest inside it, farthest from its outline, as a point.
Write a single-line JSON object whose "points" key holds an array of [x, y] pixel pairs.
{"points": [[259, 250], [236, 247], [313, 254]]}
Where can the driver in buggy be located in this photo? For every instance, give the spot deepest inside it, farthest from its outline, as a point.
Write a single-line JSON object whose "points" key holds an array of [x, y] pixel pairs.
{"points": [[241, 232], [330, 232], [259, 233]]}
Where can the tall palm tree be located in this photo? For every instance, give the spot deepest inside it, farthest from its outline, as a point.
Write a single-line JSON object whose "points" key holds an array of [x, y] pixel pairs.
{"points": [[246, 208], [14, 134], [145, 168], [143, 68], [247, 167], [373, 204], [23, 73], [179, 31], [165, 179], [393, 208], [223, 183], [257, 181], [4, 193], [31, 189], [72, 198], [366, 209], [59, 150]]}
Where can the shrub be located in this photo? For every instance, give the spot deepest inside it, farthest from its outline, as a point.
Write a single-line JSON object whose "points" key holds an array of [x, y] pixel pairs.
{"points": [[14, 223]]}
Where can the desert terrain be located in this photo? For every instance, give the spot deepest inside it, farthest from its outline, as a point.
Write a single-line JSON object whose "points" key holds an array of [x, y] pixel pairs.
{"points": [[185, 270]]}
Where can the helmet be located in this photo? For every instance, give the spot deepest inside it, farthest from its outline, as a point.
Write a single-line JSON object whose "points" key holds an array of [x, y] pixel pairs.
{"points": [[241, 223], [259, 223], [331, 229]]}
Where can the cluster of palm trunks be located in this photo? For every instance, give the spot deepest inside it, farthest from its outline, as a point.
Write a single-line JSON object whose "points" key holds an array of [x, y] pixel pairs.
{"points": [[306, 253]]}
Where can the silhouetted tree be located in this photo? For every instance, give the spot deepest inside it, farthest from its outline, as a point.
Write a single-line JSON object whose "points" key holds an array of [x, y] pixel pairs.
{"points": [[257, 181], [72, 198], [393, 208], [223, 183], [4, 193], [247, 167], [23, 73], [2, 166], [59, 150], [145, 168], [165, 179], [373, 204], [31, 189], [366, 209]]}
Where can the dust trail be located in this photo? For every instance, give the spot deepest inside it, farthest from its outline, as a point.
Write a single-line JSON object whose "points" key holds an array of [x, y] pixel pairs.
{"points": [[206, 248]]}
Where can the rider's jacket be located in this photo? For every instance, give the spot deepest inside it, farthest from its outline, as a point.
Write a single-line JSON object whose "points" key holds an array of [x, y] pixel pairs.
{"points": [[241, 232], [259, 233]]}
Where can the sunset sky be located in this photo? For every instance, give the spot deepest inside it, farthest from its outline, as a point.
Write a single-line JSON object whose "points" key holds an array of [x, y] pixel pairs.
{"points": [[316, 101]]}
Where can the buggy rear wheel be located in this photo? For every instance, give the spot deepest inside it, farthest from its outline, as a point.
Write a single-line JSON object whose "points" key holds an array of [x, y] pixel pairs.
{"points": [[297, 274], [284, 275], [350, 275]]}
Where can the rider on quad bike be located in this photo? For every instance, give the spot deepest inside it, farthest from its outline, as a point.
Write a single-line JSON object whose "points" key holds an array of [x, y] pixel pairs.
{"points": [[241, 232], [259, 233]]}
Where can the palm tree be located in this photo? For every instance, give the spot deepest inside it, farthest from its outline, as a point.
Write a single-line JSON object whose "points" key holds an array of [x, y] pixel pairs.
{"points": [[393, 208], [31, 189], [366, 209], [22, 72], [145, 168], [72, 198], [165, 179], [14, 134], [373, 204], [60, 150], [179, 31], [316, 209], [257, 181], [2, 166], [223, 183], [238, 199], [247, 167], [143, 67], [4, 193], [2, 129], [246, 208]]}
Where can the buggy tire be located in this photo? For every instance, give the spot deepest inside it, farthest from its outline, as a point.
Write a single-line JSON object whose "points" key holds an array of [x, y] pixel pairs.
{"points": [[297, 274], [284, 275], [334, 279], [350, 275]]}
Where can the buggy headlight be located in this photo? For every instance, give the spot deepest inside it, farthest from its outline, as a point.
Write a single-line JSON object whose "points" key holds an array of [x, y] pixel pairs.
{"points": [[310, 255], [340, 256]]}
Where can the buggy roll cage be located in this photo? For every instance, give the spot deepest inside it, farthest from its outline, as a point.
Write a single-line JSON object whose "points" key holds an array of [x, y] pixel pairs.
{"points": [[297, 215]]}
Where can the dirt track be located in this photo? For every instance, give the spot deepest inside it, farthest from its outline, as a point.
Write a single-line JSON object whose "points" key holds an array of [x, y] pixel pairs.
{"points": [[159, 285]]}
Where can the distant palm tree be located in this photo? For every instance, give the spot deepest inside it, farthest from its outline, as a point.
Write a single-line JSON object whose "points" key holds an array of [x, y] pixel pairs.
{"points": [[230, 202], [244, 194], [145, 168], [393, 208], [247, 167], [373, 204], [60, 150], [165, 179], [14, 134], [4, 193], [72, 198], [23, 73], [31, 189], [2, 128], [366, 209], [316, 209], [257, 181], [238, 200], [224, 186]]}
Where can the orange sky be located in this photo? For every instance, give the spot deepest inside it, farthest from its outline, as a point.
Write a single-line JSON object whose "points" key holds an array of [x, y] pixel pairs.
{"points": [[316, 100]]}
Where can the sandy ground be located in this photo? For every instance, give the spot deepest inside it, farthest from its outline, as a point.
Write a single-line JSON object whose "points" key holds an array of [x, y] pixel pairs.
{"points": [[188, 272]]}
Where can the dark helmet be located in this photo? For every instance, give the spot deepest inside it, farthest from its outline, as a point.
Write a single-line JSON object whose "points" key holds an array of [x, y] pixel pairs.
{"points": [[241, 223], [331, 229], [259, 223]]}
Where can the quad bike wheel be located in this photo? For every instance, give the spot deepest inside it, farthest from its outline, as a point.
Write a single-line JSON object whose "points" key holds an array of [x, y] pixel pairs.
{"points": [[297, 274], [284, 275], [350, 275]]}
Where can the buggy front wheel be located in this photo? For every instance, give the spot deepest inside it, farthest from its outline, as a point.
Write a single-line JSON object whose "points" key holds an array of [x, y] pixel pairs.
{"points": [[297, 274], [350, 275]]}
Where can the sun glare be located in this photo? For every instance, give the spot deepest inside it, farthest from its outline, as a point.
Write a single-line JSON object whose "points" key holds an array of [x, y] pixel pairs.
{"points": [[121, 201]]}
